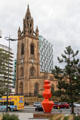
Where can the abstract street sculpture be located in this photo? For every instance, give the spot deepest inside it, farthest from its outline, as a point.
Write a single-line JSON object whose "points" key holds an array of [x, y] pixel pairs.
{"points": [[46, 103]]}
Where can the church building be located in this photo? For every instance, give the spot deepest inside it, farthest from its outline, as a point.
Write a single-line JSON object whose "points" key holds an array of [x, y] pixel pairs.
{"points": [[29, 79]]}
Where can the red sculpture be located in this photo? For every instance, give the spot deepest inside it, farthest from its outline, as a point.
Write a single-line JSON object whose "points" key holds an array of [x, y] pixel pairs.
{"points": [[46, 103]]}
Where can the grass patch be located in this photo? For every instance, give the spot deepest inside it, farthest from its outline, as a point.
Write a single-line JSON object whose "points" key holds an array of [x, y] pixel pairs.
{"points": [[62, 117]]}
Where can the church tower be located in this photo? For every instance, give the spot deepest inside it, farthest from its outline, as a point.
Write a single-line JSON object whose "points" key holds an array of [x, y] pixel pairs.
{"points": [[28, 64]]}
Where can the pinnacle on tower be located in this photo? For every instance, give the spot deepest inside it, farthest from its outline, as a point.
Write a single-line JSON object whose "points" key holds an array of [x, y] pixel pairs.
{"points": [[37, 32], [19, 32]]}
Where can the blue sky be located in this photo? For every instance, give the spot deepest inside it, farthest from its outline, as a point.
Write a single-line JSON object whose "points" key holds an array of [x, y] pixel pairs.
{"points": [[58, 21]]}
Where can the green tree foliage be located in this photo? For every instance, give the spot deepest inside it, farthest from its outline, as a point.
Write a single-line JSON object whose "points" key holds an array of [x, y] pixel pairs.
{"points": [[4, 58], [68, 77], [10, 117], [52, 89]]}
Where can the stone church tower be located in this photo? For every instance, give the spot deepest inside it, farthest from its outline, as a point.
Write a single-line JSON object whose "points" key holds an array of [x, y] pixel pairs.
{"points": [[29, 79], [28, 64]]}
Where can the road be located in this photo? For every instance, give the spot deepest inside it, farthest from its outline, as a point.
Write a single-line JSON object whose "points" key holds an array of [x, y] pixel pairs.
{"points": [[31, 109], [27, 113]]}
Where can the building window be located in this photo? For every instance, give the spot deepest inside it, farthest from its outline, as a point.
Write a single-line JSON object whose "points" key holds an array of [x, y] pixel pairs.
{"points": [[22, 71], [22, 49], [21, 88], [32, 71], [30, 31], [36, 89], [32, 49]]}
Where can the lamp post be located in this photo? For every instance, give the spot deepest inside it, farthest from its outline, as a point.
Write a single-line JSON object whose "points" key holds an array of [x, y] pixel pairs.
{"points": [[8, 77]]}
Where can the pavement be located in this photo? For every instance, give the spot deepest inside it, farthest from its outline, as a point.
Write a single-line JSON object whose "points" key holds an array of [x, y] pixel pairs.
{"points": [[27, 113], [24, 116], [27, 116]]}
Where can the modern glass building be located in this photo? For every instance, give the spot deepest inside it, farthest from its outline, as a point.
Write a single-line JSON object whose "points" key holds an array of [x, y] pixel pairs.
{"points": [[7, 74], [46, 55]]}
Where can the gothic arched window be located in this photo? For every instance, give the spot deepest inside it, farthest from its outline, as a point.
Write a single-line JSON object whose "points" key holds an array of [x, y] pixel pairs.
{"points": [[32, 71], [22, 49], [32, 49], [36, 89], [21, 87], [22, 71]]}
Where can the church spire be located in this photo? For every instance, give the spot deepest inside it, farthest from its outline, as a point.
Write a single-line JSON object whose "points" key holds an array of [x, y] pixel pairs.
{"points": [[28, 14], [28, 25]]}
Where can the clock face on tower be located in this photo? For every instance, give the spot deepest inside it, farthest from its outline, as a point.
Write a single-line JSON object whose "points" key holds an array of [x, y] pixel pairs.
{"points": [[32, 60], [22, 61]]}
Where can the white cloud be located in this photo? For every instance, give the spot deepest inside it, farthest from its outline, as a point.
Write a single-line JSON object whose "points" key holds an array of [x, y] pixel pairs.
{"points": [[58, 20]]}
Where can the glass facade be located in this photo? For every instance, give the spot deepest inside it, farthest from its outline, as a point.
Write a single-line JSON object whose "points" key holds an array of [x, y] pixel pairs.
{"points": [[46, 55]]}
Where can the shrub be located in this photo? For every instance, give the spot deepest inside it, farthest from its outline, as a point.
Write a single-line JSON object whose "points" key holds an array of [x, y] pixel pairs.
{"points": [[10, 117], [76, 117], [40, 96], [66, 118]]}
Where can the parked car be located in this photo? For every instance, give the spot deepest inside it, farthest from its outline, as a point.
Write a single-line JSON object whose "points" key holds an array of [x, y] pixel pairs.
{"points": [[66, 105], [76, 104], [58, 105], [36, 104], [2, 108], [55, 105], [39, 108]]}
